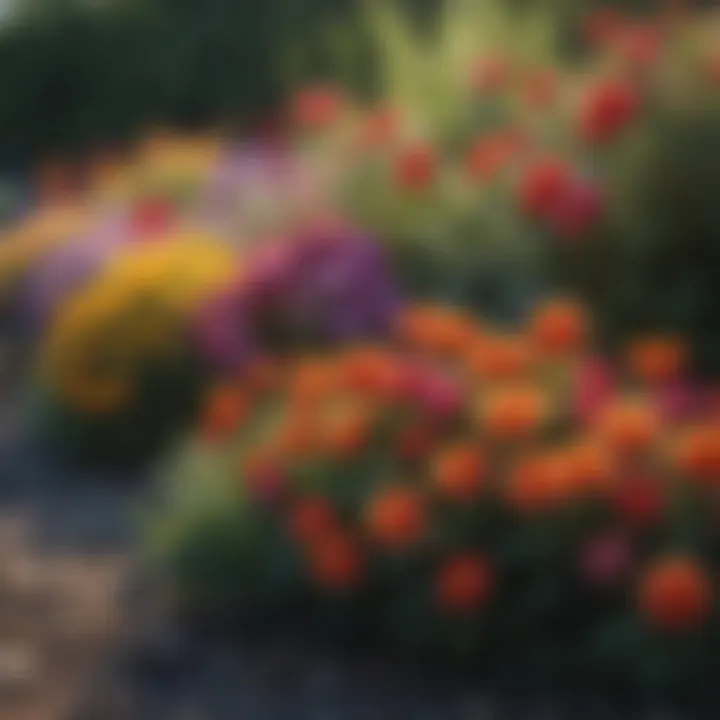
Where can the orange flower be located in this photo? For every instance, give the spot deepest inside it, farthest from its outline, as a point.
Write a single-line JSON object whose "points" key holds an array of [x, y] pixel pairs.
{"points": [[372, 371], [397, 518], [297, 436], [592, 467], [459, 471], [261, 375], [698, 454], [500, 357], [347, 433], [380, 128], [629, 425], [437, 329], [313, 382], [464, 583], [336, 563], [676, 595], [640, 501], [657, 359], [312, 520], [416, 442], [559, 327], [490, 154], [515, 412], [226, 408], [416, 168], [539, 484]]}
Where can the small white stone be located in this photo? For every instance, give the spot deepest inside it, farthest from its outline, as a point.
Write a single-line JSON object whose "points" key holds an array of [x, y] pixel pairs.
{"points": [[18, 665]]}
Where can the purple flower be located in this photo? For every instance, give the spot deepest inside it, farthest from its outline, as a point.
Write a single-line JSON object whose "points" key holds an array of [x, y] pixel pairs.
{"points": [[222, 333], [65, 270], [327, 286], [322, 287]]}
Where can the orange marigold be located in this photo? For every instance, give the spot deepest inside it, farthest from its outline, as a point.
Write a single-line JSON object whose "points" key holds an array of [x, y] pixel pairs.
{"points": [[676, 595], [629, 425], [559, 327], [698, 454], [397, 518], [515, 412], [458, 472], [657, 359], [312, 520], [538, 484], [336, 563], [500, 357], [464, 584], [226, 408], [348, 432]]}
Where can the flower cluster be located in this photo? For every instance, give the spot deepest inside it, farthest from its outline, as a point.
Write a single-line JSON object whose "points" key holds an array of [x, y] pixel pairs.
{"points": [[324, 286], [483, 482], [135, 313]]}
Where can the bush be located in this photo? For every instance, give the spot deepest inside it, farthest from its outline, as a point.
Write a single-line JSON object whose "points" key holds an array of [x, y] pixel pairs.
{"points": [[453, 496]]}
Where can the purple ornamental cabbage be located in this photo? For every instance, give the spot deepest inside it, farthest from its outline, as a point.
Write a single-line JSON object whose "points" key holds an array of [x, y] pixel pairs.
{"points": [[325, 287]]}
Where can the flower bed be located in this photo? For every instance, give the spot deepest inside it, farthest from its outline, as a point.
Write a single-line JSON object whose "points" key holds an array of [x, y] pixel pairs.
{"points": [[454, 495]]}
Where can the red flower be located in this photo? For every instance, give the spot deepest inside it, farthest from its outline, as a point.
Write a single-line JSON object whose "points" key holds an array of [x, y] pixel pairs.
{"points": [[541, 186], [602, 26], [608, 109], [317, 107], [676, 595], [540, 89], [416, 442], [492, 153], [397, 518], [559, 326], [577, 210], [639, 45], [337, 563], [151, 218], [416, 168], [491, 74], [464, 584], [640, 502], [380, 128]]}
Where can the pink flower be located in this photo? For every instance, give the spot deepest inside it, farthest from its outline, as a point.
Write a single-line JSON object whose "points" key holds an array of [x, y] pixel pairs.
{"points": [[595, 386], [578, 209], [265, 482], [678, 401], [605, 560], [437, 394]]}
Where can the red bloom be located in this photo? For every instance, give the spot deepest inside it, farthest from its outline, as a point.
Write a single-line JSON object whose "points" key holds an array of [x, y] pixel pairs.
{"points": [[542, 184], [416, 168], [639, 45], [578, 209], [491, 74], [492, 153], [639, 502], [151, 218], [602, 26], [380, 128], [464, 584], [317, 107], [608, 109], [540, 89]]}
